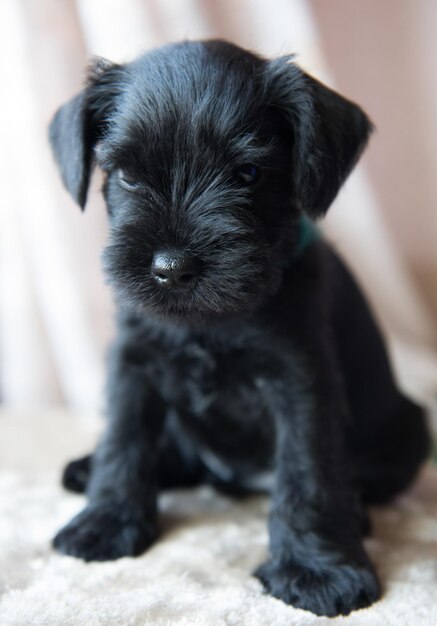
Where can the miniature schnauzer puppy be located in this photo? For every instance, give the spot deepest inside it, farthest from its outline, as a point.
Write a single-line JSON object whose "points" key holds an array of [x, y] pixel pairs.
{"points": [[244, 348]]}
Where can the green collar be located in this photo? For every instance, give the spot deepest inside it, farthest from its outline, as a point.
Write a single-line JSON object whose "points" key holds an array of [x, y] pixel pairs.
{"points": [[308, 233]]}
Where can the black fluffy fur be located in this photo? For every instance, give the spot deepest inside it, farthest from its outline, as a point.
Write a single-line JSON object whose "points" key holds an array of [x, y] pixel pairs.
{"points": [[269, 360]]}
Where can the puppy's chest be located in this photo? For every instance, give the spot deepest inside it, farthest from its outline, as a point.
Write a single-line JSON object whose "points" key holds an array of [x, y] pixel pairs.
{"points": [[217, 396], [200, 378]]}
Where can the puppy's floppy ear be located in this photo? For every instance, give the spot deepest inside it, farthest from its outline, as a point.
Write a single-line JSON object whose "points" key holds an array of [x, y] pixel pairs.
{"points": [[79, 124], [330, 133]]}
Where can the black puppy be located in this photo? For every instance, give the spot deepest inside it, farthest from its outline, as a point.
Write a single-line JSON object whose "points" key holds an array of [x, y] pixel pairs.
{"points": [[243, 343]]}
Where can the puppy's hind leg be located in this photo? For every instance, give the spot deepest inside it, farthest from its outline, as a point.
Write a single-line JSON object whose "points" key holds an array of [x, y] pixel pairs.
{"points": [[76, 474], [387, 463], [388, 435]]}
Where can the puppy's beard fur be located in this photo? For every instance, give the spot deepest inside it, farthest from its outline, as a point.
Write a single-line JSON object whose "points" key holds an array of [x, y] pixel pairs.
{"points": [[235, 278], [208, 299]]}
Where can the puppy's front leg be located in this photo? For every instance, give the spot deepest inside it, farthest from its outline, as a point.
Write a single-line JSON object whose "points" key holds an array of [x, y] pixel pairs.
{"points": [[121, 517], [317, 559]]}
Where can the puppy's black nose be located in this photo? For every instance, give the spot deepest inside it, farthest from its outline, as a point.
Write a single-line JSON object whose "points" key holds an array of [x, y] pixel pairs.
{"points": [[174, 269]]}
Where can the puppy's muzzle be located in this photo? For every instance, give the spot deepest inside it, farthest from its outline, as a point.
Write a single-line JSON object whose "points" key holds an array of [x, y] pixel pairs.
{"points": [[174, 269]]}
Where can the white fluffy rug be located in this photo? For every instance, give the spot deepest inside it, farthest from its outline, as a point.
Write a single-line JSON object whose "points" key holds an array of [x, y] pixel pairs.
{"points": [[198, 573]]}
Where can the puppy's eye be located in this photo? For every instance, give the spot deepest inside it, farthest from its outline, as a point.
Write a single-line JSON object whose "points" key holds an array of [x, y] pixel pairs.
{"points": [[128, 182], [248, 174]]}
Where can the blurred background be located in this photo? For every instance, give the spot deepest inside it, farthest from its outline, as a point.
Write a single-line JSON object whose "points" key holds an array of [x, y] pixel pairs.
{"points": [[55, 310]]}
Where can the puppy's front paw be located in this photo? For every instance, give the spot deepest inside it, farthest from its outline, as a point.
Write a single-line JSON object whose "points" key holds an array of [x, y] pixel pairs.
{"points": [[331, 591], [105, 533]]}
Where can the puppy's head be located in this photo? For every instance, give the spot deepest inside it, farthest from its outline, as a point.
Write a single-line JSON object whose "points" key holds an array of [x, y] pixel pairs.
{"points": [[212, 155]]}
